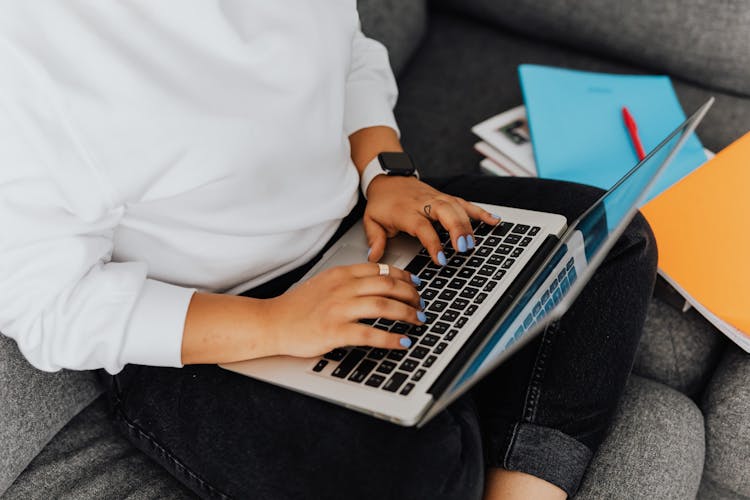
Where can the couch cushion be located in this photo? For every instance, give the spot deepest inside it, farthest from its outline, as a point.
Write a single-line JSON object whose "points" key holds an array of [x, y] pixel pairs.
{"points": [[726, 406], [34, 405], [702, 41], [89, 458], [466, 71], [397, 24], [654, 449]]}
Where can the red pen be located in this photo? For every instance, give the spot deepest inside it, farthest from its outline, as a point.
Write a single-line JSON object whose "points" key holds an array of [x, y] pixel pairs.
{"points": [[633, 133]]}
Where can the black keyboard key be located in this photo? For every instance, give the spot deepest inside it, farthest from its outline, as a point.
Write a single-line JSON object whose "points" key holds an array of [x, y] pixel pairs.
{"points": [[396, 354], [459, 304], [478, 281], [474, 262], [496, 260], [335, 355], [430, 317], [387, 322], [380, 326], [427, 274], [508, 263], [545, 296], [418, 330], [377, 353], [502, 228], [386, 367], [367, 321], [469, 292], [537, 309], [483, 229], [492, 241], [466, 272], [362, 371], [457, 283], [375, 380], [416, 264], [504, 249], [516, 252], [521, 228], [569, 265], [440, 347], [418, 375], [451, 335], [320, 365], [487, 270], [450, 316], [483, 251], [429, 361], [395, 382], [447, 294], [438, 306], [409, 365], [439, 328], [499, 275], [429, 294], [480, 298], [447, 272], [525, 242], [407, 389], [348, 363], [400, 327], [430, 340], [471, 309], [419, 352], [534, 230], [490, 286], [512, 239], [457, 261], [461, 321], [438, 283]]}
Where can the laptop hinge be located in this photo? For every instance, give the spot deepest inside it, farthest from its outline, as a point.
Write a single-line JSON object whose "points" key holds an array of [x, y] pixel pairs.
{"points": [[501, 307]]}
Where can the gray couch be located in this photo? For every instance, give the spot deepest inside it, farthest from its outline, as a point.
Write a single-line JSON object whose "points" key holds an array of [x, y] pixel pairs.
{"points": [[683, 428]]}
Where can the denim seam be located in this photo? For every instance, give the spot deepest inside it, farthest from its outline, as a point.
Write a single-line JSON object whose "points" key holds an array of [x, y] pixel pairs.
{"points": [[533, 391], [177, 464]]}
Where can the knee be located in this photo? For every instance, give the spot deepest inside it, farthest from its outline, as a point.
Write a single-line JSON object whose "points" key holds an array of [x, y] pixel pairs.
{"points": [[643, 239]]}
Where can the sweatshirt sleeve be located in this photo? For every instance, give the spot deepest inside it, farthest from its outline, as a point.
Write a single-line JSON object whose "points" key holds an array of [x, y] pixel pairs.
{"points": [[62, 299], [371, 89]]}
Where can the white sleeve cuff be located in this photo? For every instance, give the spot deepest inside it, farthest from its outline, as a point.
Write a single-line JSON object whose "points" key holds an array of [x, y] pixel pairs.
{"points": [[368, 105], [154, 332]]}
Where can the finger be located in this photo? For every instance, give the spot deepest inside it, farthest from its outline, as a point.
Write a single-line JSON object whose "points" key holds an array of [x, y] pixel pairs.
{"points": [[478, 213], [376, 239], [373, 269], [381, 307], [386, 286], [365, 335], [421, 228], [455, 220]]}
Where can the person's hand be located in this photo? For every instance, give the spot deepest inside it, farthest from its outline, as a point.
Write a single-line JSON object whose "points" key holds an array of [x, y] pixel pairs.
{"points": [[323, 312], [407, 204]]}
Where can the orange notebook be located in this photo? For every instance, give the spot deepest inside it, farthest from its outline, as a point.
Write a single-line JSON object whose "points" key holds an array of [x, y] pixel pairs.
{"points": [[702, 227]]}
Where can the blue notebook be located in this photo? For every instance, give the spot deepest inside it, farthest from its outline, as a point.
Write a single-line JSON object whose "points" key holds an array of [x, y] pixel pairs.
{"points": [[577, 129]]}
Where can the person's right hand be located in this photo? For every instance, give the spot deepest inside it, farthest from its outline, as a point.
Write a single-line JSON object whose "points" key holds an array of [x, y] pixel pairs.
{"points": [[323, 312]]}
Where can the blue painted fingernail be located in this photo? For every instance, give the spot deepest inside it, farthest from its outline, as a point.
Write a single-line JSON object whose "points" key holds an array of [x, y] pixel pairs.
{"points": [[421, 303], [421, 316], [441, 258], [405, 342], [461, 244], [369, 251], [496, 216], [415, 279], [470, 242]]}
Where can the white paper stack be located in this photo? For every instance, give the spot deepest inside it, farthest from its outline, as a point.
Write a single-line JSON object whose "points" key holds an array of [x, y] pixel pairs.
{"points": [[506, 144]]}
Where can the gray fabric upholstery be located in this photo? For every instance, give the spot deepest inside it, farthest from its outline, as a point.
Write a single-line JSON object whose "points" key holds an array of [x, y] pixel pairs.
{"points": [[679, 350], [465, 72], [398, 24], [702, 41], [90, 459], [655, 448], [34, 406], [726, 406]]}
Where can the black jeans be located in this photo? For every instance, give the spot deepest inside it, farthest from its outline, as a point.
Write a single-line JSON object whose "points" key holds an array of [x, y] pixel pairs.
{"points": [[544, 412]]}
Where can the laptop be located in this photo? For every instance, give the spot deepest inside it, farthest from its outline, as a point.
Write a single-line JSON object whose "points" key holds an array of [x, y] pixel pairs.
{"points": [[481, 308]]}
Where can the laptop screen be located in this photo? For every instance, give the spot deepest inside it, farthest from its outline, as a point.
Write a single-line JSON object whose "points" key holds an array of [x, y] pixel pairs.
{"points": [[571, 263]]}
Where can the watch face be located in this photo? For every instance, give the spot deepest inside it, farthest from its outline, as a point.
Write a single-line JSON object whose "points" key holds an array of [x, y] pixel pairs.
{"points": [[397, 164]]}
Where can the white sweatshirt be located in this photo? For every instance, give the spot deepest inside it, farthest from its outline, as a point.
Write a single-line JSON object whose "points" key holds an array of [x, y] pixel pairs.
{"points": [[149, 149]]}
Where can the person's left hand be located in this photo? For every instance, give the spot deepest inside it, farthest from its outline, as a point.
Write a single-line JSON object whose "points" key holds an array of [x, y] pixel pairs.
{"points": [[409, 205]]}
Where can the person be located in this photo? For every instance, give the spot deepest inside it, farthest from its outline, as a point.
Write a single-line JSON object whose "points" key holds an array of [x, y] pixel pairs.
{"points": [[170, 169]]}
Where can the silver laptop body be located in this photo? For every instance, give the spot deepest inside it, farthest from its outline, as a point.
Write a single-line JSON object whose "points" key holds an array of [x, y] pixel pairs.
{"points": [[482, 307]]}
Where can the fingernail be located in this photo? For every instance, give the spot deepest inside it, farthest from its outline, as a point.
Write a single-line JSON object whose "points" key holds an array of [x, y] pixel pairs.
{"points": [[461, 244], [405, 342], [441, 258], [369, 251], [415, 279], [421, 316], [470, 242], [495, 216], [421, 303]]}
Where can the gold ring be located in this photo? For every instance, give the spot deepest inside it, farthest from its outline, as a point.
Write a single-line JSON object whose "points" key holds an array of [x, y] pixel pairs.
{"points": [[383, 269]]}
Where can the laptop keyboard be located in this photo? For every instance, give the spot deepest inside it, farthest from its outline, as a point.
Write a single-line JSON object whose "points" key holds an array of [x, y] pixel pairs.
{"points": [[453, 293]]}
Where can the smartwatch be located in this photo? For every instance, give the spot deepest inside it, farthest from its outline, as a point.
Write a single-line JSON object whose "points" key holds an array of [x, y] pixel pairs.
{"points": [[396, 164]]}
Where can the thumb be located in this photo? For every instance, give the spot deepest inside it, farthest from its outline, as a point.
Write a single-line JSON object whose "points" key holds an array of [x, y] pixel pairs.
{"points": [[376, 238]]}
